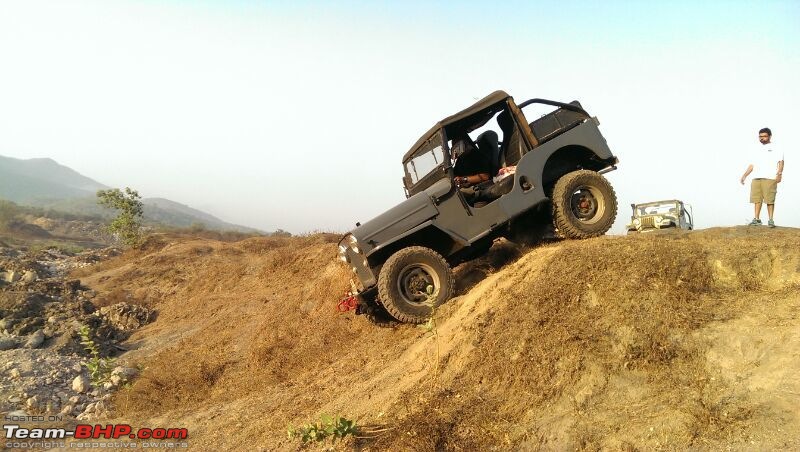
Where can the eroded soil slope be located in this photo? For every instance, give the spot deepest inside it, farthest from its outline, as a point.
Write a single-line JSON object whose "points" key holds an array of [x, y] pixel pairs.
{"points": [[643, 342]]}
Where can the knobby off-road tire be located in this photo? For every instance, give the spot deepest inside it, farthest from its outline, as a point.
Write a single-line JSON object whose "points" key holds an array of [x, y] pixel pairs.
{"points": [[378, 316], [413, 282], [584, 205]]}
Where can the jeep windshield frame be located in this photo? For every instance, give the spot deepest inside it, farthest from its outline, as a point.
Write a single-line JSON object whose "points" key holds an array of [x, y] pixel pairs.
{"points": [[427, 165], [661, 208]]}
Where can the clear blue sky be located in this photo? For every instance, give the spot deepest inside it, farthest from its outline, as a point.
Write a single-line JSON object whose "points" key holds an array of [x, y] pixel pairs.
{"points": [[295, 115]]}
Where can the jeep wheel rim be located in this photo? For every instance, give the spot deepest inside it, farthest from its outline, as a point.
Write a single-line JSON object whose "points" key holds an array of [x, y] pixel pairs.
{"points": [[587, 204], [414, 281]]}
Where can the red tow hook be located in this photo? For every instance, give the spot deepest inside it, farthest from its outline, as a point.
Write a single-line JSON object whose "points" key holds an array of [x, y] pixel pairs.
{"points": [[347, 303]]}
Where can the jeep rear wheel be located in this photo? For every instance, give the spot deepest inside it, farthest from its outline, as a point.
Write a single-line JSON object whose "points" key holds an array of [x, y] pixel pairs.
{"points": [[584, 205], [413, 282]]}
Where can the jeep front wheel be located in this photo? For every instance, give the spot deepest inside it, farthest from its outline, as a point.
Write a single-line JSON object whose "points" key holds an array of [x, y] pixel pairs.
{"points": [[413, 282], [584, 205]]}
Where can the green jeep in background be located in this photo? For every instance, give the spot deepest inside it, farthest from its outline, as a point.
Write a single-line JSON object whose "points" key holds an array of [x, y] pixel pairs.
{"points": [[402, 258]]}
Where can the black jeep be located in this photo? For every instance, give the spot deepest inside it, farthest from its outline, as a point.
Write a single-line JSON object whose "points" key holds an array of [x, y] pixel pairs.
{"points": [[553, 166]]}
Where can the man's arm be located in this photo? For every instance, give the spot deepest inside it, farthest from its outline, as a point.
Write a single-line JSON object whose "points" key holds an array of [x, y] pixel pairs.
{"points": [[746, 173], [779, 176], [466, 181]]}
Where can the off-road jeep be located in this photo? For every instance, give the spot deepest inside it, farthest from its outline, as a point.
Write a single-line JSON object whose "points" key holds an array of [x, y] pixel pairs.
{"points": [[653, 216], [402, 258]]}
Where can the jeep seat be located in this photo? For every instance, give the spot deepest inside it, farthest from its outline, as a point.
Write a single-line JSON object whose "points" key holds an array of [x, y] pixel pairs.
{"points": [[511, 148], [488, 145]]}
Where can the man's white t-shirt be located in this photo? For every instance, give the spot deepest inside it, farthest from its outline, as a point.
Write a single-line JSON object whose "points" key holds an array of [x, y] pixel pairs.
{"points": [[765, 161]]}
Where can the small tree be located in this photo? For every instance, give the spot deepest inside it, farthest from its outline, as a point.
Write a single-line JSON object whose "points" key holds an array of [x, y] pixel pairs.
{"points": [[128, 223]]}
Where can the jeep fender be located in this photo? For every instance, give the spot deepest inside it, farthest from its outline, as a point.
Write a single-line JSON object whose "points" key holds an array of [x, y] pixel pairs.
{"points": [[426, 234], [529, 189]]}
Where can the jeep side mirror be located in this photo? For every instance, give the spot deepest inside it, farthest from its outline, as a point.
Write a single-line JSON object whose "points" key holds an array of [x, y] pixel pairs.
{"points": [[633, 207]]}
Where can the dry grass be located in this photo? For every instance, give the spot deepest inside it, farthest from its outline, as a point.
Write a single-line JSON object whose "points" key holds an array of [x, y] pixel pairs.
{"points": [[600, 316], [582, 345]]}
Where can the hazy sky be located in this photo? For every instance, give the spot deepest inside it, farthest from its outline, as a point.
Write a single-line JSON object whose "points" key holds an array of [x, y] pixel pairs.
{"points": [[295, 115]]}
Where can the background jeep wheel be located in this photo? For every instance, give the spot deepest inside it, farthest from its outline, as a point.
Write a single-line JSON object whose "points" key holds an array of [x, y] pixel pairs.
{"points": [[584, 205], [414, 281]]}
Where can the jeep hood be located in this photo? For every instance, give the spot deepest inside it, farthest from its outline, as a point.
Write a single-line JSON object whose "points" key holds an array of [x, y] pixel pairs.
{"points": [[386, 227]]}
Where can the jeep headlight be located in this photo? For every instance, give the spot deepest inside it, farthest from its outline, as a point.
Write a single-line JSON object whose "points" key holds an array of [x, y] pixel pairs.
{"points": [[354, 244], [658, 218], [637, 222]]}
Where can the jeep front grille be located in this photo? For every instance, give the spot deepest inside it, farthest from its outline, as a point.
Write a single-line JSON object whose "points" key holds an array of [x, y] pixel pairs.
{"points": [[648, 222]]}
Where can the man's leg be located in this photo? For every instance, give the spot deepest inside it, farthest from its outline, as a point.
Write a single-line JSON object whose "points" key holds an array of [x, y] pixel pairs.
{"points": [[769, 198], [756, 197]]}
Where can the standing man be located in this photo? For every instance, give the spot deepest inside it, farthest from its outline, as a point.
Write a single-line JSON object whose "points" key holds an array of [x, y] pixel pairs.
{"points": [[767, 168]]}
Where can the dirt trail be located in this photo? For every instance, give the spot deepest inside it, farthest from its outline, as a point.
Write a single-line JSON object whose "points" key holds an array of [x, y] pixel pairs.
{"points": [[684, 340]]}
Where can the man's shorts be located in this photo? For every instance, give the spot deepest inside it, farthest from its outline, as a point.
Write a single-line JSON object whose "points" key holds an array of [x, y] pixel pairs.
{"points": [[763, 190]]}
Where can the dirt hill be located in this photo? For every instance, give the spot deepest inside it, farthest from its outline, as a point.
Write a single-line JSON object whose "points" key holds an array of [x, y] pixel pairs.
{"points": [[685, 340]]}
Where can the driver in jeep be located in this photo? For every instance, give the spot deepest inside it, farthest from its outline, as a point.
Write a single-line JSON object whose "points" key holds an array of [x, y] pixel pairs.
{"points": [[472, 166]]}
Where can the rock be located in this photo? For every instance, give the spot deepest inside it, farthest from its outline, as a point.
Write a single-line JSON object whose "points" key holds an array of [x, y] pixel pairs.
{"points": [[7, 342], [90, 407], [35, 340], [14, 373], [77, 367], [17, 413], [12, 276], [67, 410], [121, 375], [14, 399], [29, 277], [32, 402], [80, 384], [127, 317], [100, 408], [6, 324]]}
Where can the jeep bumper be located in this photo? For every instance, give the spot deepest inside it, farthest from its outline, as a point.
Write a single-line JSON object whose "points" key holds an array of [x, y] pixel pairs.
{"points": [[351, 254]]}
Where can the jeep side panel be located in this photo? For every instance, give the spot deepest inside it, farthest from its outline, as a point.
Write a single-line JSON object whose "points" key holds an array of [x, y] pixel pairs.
{"points": [[467, 222], [530, 169]]}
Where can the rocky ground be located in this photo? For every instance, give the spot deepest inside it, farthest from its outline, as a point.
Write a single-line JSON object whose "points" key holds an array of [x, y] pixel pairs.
{"points": [[44, 367]]}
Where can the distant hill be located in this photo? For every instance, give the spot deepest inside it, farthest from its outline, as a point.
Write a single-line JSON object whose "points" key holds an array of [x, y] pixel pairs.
{"points": [[45, 183], [26, 181]]}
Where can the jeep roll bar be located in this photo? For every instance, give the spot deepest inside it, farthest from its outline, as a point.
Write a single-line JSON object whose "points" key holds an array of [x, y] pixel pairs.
{"points": [[571, 107]]}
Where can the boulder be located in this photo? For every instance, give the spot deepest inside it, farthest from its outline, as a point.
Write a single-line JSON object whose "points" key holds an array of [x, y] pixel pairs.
{"points": [[121, 375], [7, 342], [127, 317], [29, 277], [35, 340], [11, 276], [81, 384]]}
